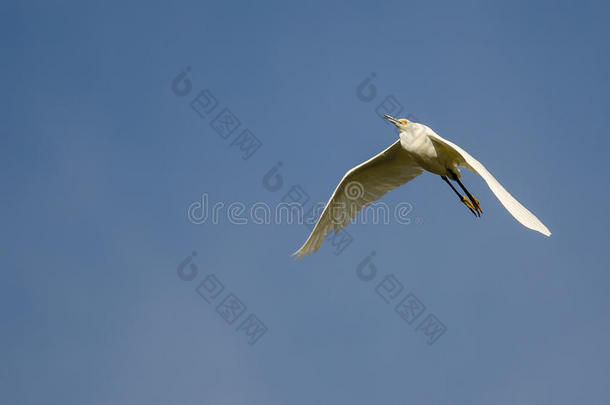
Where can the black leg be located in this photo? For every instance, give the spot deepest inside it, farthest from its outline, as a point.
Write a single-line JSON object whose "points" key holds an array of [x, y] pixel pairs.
{"points": [[462, 198], [474, 201]]}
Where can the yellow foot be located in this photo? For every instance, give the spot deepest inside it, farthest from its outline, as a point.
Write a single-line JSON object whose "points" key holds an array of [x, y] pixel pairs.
{"points": [[476, 205], [471, 207]]}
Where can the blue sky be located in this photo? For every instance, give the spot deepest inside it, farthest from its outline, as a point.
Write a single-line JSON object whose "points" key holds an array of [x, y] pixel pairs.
{"points": [[100, 160]]}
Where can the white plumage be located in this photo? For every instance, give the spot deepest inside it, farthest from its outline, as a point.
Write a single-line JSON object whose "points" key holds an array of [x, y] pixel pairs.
{"points": [[419, 149]]}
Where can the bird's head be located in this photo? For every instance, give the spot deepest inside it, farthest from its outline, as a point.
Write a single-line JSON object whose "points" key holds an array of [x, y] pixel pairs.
{"points": [[401, 123]]}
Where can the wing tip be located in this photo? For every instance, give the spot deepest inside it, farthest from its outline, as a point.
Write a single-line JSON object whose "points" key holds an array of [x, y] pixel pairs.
{"points": [[297, 255], [543, 230], [301, 253]]}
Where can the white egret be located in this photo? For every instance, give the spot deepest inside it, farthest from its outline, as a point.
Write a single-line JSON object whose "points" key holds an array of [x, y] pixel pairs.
{"points": [[419, 148]]}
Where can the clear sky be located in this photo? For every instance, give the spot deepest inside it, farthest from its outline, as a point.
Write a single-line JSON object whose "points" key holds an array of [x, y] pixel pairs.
{"points": [[101, 154]]}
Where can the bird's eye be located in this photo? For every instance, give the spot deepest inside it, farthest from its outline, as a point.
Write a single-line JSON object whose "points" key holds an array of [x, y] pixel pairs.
{"points": [[403, 122]]}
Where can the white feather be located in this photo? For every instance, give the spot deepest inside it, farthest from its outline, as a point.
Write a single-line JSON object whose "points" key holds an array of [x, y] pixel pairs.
{"points": [[372, 179], [521, 214]]}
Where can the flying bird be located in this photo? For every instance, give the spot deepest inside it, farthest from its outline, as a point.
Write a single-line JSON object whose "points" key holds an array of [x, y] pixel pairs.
{"points": [[419, 149]]}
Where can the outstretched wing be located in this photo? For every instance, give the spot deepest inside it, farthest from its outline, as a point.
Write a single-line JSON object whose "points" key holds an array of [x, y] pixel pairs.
{"points": [[513, 206], [361, 186]]}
